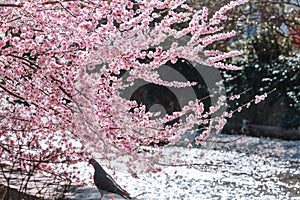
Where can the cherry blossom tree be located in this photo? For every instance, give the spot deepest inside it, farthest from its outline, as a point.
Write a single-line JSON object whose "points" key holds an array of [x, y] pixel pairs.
{"points": [[61, 64]]}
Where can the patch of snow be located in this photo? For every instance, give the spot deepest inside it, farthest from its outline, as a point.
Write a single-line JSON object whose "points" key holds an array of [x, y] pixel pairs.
{"points": [[252, 168]]}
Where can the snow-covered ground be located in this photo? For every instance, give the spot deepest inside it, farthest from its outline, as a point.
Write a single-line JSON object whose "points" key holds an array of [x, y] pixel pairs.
{"points": [[249, 168]]}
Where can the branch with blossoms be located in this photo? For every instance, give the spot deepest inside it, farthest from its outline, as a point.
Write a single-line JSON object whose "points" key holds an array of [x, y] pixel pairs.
{"points": [[64, 60]]}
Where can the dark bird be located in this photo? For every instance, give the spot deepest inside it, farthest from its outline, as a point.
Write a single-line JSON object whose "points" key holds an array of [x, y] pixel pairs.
{"points": [[105, 183]]}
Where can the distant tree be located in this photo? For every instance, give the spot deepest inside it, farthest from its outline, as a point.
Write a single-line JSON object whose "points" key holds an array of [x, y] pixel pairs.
{"points": [[277, 19], [282, 108]]}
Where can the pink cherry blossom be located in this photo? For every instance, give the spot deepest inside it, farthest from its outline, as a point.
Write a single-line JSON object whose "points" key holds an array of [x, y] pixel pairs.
{"points": [[60, 78], [259, 98]]}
